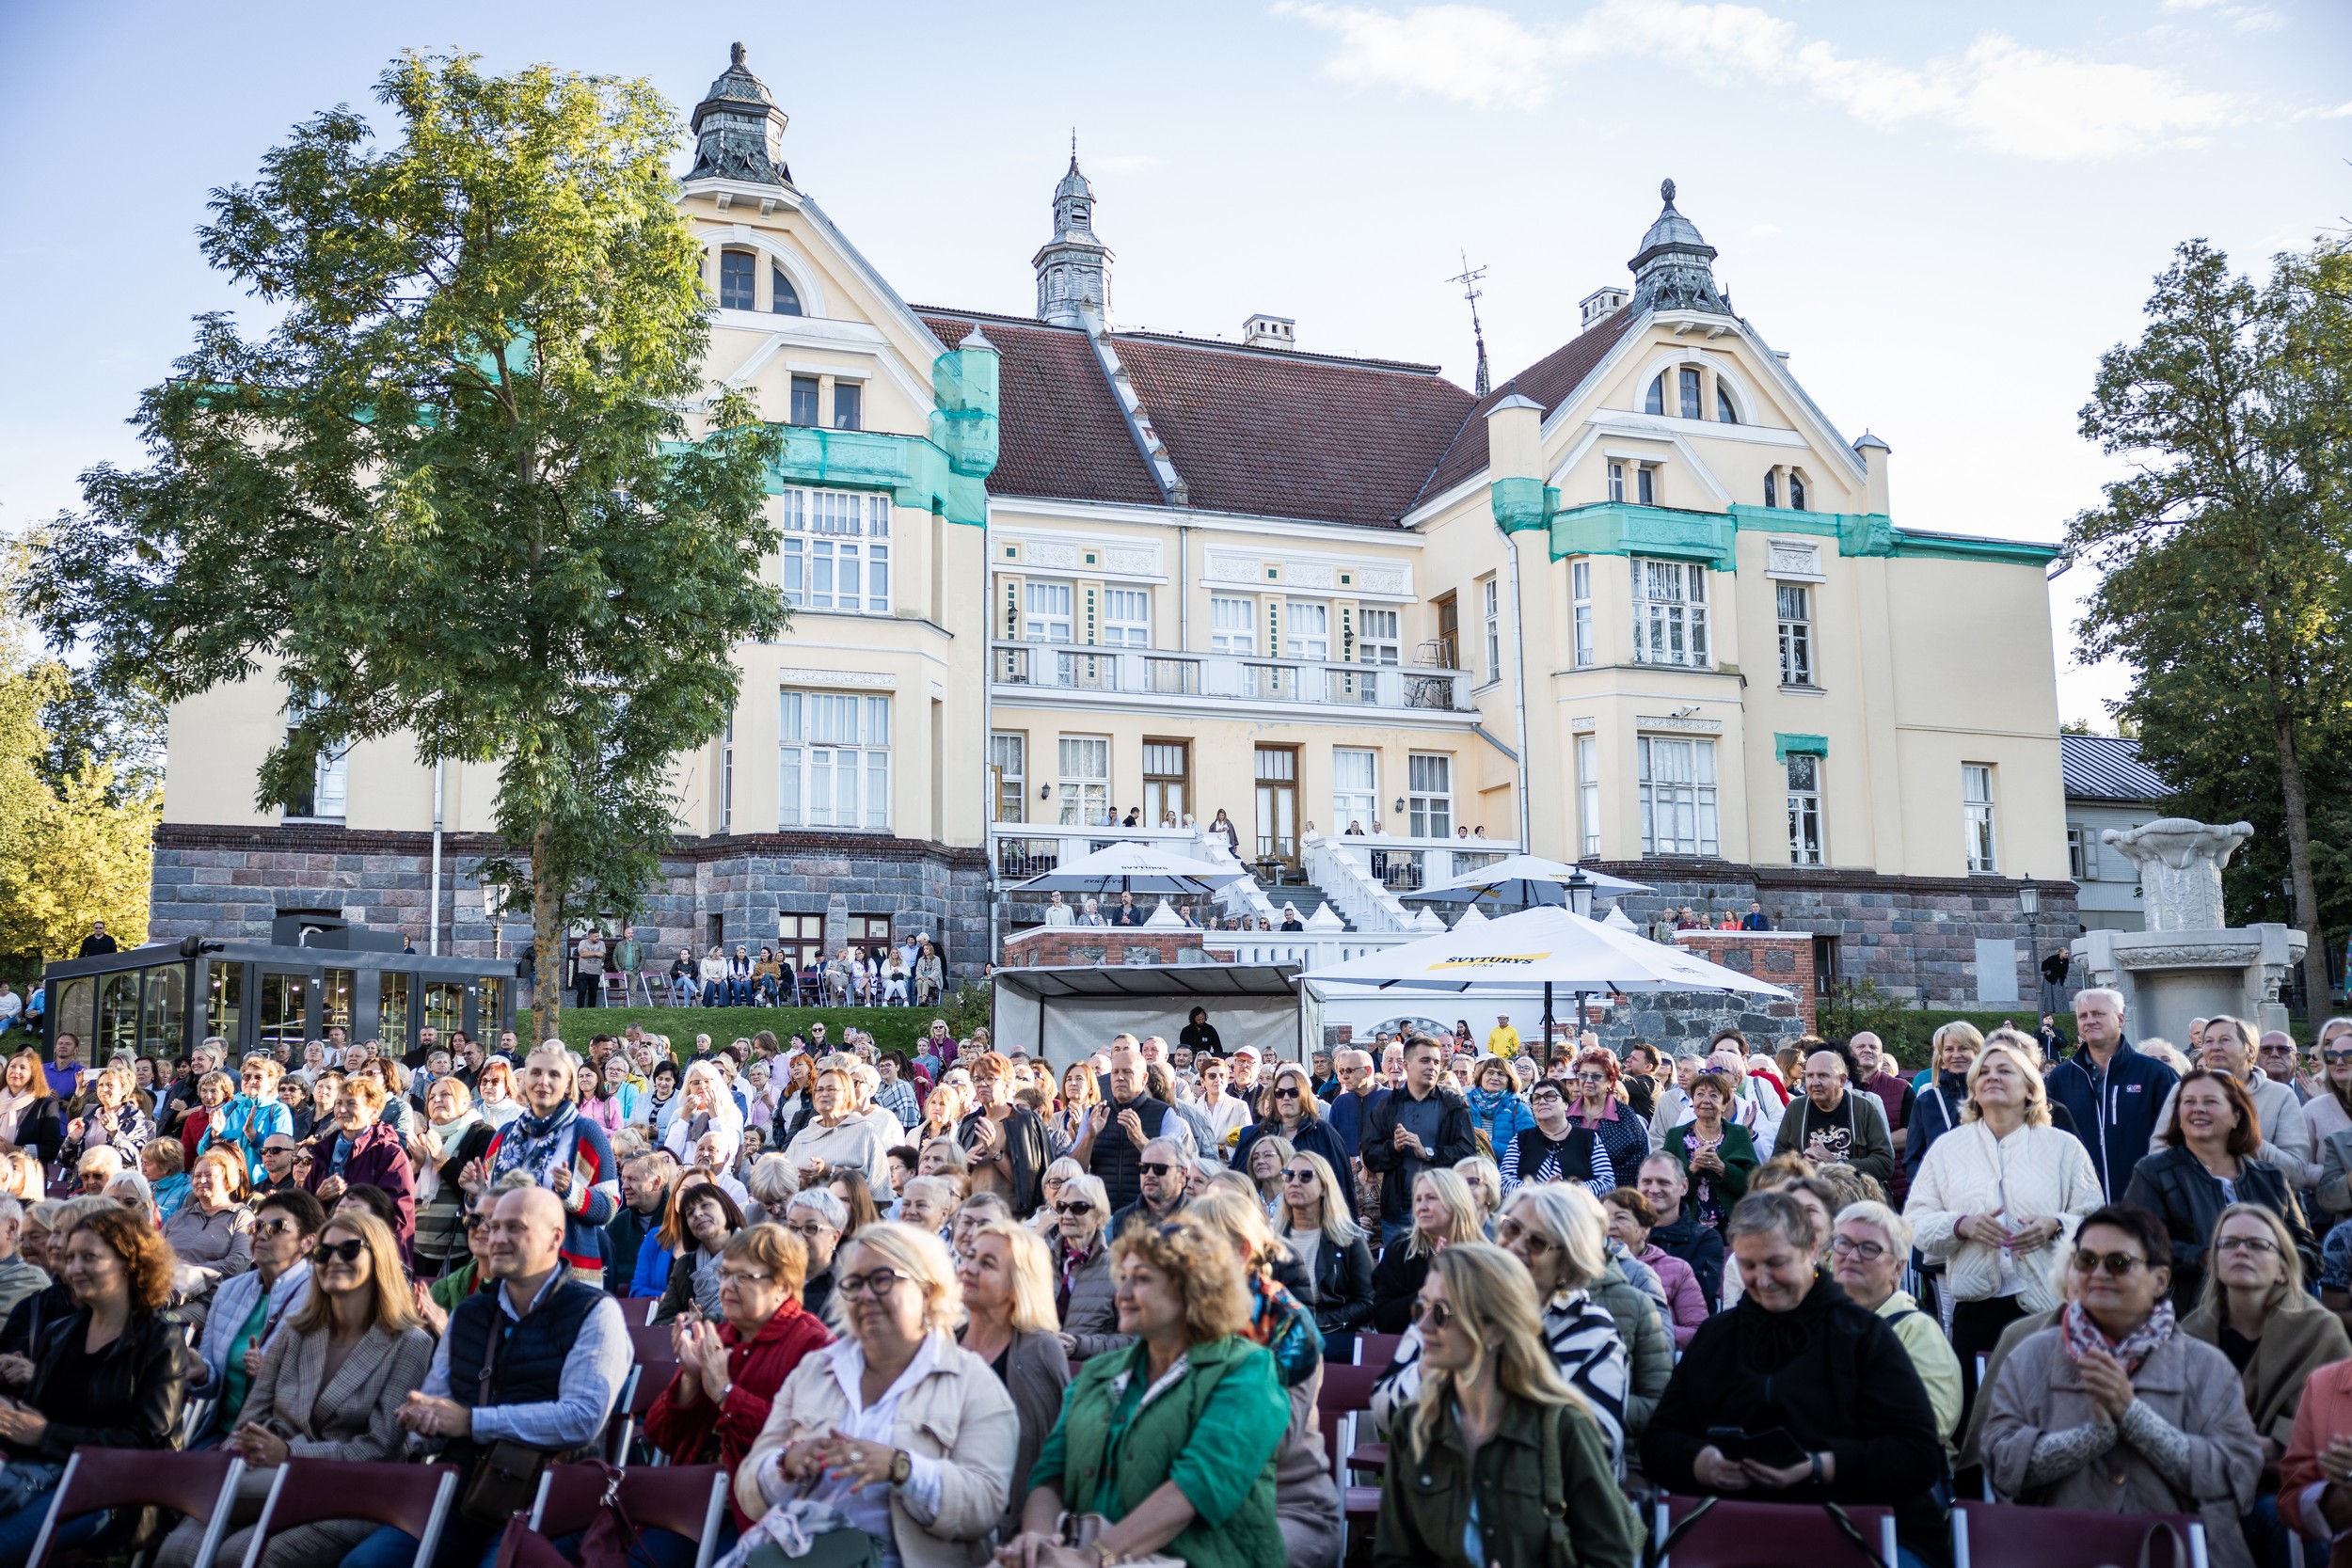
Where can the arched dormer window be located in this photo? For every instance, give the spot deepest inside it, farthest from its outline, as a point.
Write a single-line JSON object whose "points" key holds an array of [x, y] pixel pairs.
{"points": [[1796, 490], [787, 302], [1656, 401], [1723, 411], [738, 273], [1772, 489], [1691, 406]]}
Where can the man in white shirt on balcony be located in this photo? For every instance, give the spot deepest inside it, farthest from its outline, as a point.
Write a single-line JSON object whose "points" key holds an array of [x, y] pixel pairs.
{"points": [[1059, 913]]}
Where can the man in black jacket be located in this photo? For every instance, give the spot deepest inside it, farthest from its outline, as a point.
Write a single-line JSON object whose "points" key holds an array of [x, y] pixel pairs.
{"points": [[1117, 1129], [1664, 1184], [1418, 1127]]}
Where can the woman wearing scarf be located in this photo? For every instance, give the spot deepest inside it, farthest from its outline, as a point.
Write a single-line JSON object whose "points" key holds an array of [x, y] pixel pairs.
{"points": [[2114, 1408], [705, 1106], [455, 1137], [1496, 1108], [660, 1098], [31, 1115], [563, 1152], [496, 1089]]}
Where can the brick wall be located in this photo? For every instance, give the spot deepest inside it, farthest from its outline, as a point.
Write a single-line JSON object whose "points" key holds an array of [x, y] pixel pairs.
{"points": [[1783, 959], [1058, 947]]}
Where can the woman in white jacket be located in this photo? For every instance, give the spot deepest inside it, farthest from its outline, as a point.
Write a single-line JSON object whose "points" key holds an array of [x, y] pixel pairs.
{"points": [[703, 1106], [897, 1426], [1996, 1198]]}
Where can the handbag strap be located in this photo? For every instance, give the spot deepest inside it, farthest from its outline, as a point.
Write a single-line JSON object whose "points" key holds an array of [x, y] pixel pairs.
{"points": [[1659, 1551], [1851, 1531]]}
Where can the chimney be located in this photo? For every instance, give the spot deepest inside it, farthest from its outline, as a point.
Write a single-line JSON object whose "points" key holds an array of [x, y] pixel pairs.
{"points": [[1874, 453], [1601, 303], [1265, 331]]}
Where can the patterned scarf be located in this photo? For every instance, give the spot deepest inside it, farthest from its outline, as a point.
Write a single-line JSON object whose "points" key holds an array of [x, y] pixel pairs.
{"points": [[540, 1145], [2083, 1336]]}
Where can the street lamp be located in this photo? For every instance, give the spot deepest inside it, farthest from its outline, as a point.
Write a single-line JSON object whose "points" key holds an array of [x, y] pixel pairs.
{"points": [[1580, 888], [2030, 905]]}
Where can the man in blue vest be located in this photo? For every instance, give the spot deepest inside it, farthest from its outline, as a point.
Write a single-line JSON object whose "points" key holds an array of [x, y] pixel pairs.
{"points": [[2112, 1092], [538, 1360]]}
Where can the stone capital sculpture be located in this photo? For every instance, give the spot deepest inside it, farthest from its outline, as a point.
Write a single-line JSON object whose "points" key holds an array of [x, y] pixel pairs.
{"points": [[2179, 862]]}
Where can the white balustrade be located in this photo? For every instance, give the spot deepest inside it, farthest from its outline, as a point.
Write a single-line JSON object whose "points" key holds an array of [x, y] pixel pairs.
{"points": [[1233, 677]]}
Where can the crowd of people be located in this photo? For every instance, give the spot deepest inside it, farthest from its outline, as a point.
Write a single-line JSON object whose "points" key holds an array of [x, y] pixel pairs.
{"points": [[963, 1304]]}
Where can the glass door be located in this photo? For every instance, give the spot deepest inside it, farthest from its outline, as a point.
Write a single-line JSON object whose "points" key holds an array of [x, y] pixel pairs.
{"points": [[164, 1019], [118, 1018], [224, 1003], [285, 1009], [1278, 804]]}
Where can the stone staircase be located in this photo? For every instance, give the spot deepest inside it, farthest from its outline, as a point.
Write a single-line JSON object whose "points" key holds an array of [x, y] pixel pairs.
{"points": [[1308, 896]]}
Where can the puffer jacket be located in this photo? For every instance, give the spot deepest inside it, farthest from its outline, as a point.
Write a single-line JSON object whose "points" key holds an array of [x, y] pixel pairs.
{"points": [[1089, 1315]]}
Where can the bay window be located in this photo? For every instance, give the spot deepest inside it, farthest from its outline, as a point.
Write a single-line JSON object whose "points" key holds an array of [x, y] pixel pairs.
{"points": [[1679, 800], [833, 761], [836, 550]]}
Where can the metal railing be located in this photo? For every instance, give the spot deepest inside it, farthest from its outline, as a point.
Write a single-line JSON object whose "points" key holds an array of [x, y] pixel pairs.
{"points": [[1158, 673]]}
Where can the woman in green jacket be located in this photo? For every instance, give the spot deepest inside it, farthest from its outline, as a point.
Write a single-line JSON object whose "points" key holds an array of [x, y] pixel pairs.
{"points": [[1718, 1155], [1167, 1444], [1495, 1426]]}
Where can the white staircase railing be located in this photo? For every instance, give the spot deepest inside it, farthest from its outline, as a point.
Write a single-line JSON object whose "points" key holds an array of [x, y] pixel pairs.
{"points": [[1245, 897], [1349, 884]]}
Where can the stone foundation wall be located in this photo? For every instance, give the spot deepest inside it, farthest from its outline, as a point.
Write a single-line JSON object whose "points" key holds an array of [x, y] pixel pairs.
{"points": [[232, 881]]}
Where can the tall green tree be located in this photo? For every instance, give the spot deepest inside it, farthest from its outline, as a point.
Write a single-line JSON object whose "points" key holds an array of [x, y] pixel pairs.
{"points": [[455, 492], [2226, 551]]}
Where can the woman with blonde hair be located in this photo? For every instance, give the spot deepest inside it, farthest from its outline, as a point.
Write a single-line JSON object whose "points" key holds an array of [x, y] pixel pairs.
{"points": [[1006, 1279], [1445, 1213], [1486, 1184], [1487, 1378], [355, 1335], [1334, 1255], [1935, 1109], [1190, 1471], [1997, 1198], [1080, 1094], [1269, 1157], [903, 1430], [838, 1137]]}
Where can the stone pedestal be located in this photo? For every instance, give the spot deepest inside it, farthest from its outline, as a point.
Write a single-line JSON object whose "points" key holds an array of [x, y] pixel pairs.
{"points": [[2187, 964]]}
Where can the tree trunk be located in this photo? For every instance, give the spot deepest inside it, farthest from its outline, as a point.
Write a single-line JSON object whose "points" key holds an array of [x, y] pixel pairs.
{"points": [[546, 934], [2299, 866]]}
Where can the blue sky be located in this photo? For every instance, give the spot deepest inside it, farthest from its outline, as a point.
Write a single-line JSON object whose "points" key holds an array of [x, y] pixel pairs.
{"points": [[1944, 212]]}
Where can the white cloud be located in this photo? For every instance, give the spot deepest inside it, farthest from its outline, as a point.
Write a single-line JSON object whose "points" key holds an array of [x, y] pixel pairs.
{"points": [[2002, 95], [2342, 111]]}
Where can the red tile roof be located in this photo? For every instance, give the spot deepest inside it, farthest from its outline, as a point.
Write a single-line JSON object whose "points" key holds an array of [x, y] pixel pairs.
{"points": [[1060, 433], [1550, 381]]}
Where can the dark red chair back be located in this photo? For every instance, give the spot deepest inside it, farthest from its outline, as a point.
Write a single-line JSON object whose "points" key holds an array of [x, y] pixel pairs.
{"points": [[2009, 1535], [415, 1499], [675, 1497], [95, 1479], [651, 1343], [1377, 1349], [1773, 1535]]}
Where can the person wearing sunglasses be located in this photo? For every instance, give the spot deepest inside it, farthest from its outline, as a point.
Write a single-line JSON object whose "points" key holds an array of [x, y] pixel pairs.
{"points": [[1080, 1255], [910, 1435], [1490, 1394], [1823, 1384], [2329, 1114], [1334, 1255], [2114, 1407], [248, 1308], [357, 1331]]}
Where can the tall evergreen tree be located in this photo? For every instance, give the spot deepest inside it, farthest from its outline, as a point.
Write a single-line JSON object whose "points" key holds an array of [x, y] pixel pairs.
{"points": [[455, 492]]}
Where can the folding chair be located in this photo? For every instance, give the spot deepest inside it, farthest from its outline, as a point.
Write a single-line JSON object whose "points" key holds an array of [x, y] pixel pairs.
{"points": [[1377, 1349], [2009, 1535], [201, 1485], [651, 1343], [1769, 1535], [620, 1427], [414, 1499], [685, 1499], [1347, 1393]]}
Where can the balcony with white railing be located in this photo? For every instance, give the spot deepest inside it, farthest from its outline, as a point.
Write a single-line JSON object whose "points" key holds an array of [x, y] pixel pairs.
{"points": [[1398, 863], [1026, 849], [1150, 676]]}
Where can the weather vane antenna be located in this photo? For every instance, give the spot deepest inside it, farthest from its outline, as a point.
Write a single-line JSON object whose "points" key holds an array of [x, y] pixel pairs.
{"points": [[1468, 277]]}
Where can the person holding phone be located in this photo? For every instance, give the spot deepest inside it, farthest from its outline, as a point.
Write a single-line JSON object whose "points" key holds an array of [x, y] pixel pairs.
{"points": [[1796, 1394]]}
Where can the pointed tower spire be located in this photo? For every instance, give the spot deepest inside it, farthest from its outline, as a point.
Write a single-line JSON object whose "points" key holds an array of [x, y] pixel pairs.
{"points": [[1674, 270], [1073, 281], [1480, 383], [738, 130]]}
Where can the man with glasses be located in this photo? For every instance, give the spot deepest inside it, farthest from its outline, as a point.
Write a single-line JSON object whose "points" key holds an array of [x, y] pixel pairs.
{"points": [[281, 1165], [817, 1218], [2276, 1055], [562, 1354], [1421, 1127], [1162, 1173]]}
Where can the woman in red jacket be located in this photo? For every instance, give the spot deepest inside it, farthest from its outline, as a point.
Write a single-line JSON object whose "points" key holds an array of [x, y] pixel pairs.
{"points": [[728, 1372]]}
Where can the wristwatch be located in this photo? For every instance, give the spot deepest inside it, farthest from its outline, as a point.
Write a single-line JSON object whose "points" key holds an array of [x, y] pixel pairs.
{"points": [[902, 1467]]}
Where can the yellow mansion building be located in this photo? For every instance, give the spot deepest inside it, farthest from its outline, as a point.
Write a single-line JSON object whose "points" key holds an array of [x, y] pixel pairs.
{"points": [[1641, 604]]}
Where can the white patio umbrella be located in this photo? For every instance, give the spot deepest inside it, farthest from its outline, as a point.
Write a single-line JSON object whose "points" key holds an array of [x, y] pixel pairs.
{"points": [[1139, 868], [1549, 948], [1527, 879]]}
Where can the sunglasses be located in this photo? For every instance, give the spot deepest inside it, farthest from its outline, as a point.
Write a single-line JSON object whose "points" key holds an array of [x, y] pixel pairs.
{"points": [[2117, 1264], [1510, 1231], [1080, 1207], [2344, 1055], [1432, 1314], [1846, 1246], [1300, 1176], [1154, 1168], [344, 1252]]}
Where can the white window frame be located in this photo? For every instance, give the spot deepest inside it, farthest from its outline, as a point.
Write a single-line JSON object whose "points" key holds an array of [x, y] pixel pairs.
{"points": [[1355, 787], [1233, 627], [1670, 613], [1127, 617], [1083, 779], [1645, 485], [726, 777], [836, 550], [1008, 754], [1580, 596], [1979, 823], [1616, 482], [1679, 795], [1588, 793], [2082, 854], [1429, 793], [330, 774], [1307, 630], [1793, 604], [1490, 601], [1381, 641], [1046, 606], [832, 761], [1806, 842]]}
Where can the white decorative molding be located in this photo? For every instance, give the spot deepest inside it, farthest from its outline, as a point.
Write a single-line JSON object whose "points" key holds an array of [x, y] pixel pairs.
{"points": [[879, 680], [1675, 722], [1380, 578], [1583, 724], [1310, 574], [1794, 557], [1142, 561], [1230, 566], [1320, 574], [1050, 554]]}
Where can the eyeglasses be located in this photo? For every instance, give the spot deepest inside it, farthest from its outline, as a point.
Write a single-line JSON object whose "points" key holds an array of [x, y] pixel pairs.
{"points": [[1286, 1094], [1510, 1232], [1154, 1168], [807, 1229], [342, 1252], [1432, 1314], [743, 1277], [1300, 1177], [1846, 1246], [2117, 1264], [2245, 1243], [877, 1284], [275, 1225]]}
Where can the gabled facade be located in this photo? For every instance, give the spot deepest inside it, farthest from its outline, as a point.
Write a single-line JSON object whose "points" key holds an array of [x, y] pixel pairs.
{"points": [[1641, 605]]}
